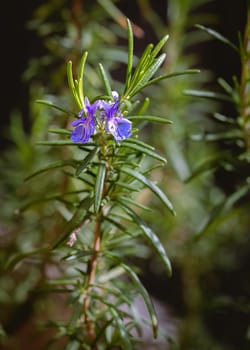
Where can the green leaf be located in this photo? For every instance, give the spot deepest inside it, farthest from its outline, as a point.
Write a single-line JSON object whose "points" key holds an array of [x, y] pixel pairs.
{"points": [[56, 196], [132, 140], [154, 188], [143, 150], [144, 106], [159, 46], [125, 338], [85, 162], [59, 131], [150, 118], [224, 84], [100, 332], [80, 78], [130, 55], [122, 243], [61, 281], [105, 80], [57, 143], [126, 186], [81, 214], [139, 72], [153, 68], [208, 164], [46, 289], [50, 104], [209, 95], [79, 255], [218, 36], [151, 237], [73, 87], [73, 345], [144, 60], [99, 186], [54, 165], [135, 279], [170, 75], [16, 258], [84, 177], [115, 223], [143, 82], [133, 202], [224, 119], [235, 197], [40, 200], [228, 135], [141, 65], [76, 315], [222, 209], [114, 290]]}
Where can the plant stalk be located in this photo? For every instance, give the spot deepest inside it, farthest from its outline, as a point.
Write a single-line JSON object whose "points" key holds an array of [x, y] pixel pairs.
{"points": [[92, 267], [91, 277]]}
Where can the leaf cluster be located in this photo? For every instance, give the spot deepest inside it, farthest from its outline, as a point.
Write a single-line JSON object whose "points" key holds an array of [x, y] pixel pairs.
{"points": [[233, 135]]}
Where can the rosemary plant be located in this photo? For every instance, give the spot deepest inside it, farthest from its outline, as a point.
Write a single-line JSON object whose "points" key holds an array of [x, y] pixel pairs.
{"points": [[233, 138], [108, 168]]}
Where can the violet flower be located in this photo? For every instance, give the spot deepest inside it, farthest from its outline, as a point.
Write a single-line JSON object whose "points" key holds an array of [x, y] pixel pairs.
{"points": [[110, 117], [85, 125], [116, 125]]}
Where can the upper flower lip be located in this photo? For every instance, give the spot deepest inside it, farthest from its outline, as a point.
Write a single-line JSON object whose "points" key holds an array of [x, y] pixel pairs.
{"points": [[110, 109], [89, 109]]}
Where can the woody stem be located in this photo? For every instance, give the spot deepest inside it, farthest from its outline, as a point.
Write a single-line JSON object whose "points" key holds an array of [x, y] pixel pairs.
{"points": [[91, 277]]}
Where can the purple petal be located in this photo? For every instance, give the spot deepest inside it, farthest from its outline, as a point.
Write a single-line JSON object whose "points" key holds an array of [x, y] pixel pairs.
{"points": [[86, 100], [77, 122], [96, 105], [91, 108], [80, 134], [120, 128], [110, 108], [84, 128], [124, 127], [105, 105]]}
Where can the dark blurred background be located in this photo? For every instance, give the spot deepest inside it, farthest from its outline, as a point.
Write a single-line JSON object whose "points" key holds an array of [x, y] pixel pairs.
{"points": [[20, 44], [226, 321]]}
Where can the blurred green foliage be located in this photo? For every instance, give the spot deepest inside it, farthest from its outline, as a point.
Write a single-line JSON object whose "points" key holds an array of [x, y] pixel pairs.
{"points": [[207, 177]]}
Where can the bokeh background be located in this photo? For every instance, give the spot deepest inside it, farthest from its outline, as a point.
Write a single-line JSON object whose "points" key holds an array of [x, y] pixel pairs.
{"points": [[205, 305]]}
